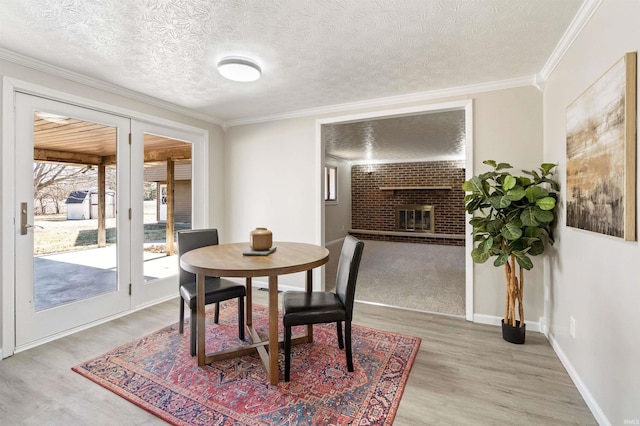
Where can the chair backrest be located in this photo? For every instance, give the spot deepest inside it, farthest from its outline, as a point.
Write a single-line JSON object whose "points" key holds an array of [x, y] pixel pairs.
{"points": [[191, 239], [347, 274]]}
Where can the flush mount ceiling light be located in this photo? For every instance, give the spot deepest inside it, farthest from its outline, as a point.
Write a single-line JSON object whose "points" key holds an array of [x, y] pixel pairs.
{"points": [[239, 69]]}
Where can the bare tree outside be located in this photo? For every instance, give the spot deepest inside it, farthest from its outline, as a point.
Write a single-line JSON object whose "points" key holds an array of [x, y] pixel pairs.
{"points": [[52, 184]]}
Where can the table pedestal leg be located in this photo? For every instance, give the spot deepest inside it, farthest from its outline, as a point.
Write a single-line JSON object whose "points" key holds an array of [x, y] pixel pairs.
{"points": [[309, 288], [274, 370], [249, 307], [200, 318]]}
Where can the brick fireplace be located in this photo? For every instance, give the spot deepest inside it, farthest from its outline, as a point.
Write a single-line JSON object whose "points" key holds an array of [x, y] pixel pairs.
{"points": [[380, 191]]}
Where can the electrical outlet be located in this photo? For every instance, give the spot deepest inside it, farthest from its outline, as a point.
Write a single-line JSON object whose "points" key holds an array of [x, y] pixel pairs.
{"points": [[572, 326]]}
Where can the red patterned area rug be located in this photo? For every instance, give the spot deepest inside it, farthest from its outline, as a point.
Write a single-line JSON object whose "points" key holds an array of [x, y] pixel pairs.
{"points": [[158, 374]]}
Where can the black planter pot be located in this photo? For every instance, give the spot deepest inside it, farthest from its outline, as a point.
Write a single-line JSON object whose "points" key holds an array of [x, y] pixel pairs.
{"points": [[513, 334]]}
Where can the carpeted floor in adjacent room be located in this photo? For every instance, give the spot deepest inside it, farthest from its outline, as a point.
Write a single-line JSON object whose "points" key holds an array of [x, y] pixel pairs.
{"points": [[425, 277]]}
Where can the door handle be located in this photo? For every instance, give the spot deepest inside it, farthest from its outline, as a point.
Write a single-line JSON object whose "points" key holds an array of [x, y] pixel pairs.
{"points": [[28, 225], [24, 226]]}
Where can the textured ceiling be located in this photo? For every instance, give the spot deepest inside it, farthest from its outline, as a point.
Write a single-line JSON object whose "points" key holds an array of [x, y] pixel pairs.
{"points": [[426, 136], [313, 53]]}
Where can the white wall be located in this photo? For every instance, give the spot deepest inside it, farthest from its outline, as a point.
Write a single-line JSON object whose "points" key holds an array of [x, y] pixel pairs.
{"points": [[273, 176], [337, 217], [594, 278], [273, 181], [508, 128]]}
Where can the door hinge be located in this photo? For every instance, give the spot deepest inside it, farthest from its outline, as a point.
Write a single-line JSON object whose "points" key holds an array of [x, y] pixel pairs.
{"points": [[130, 213], [130, 289], [129, 138]]}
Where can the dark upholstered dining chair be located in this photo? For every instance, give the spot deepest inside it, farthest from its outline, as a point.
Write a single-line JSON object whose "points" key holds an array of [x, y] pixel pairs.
{"points": [[216, 289], [300, 308]]}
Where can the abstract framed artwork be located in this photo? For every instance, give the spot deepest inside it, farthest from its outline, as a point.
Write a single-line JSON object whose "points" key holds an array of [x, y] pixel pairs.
{"points": [[601, 154]]}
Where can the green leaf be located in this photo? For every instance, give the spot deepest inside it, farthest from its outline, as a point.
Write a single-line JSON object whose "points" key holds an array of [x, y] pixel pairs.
{"points": [[546, 168], [479, 230], [486, 187], [473, 205], [511, 231], [544, 216], [528, 216], [532, 231], [524, 181], [516, 194], [501, 260], [546, 203], [487, 175], [473, 185], [477, 221], [494, 226], [500, 202], [521, 244], [487, 245], [502, 166], [479, 256], [534, 193], [523, 260], [490, 163], [509, 182], [536, 248]]}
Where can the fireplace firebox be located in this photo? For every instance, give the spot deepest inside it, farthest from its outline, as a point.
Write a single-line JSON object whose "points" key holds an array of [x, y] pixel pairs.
{"points": [[415, 218]]}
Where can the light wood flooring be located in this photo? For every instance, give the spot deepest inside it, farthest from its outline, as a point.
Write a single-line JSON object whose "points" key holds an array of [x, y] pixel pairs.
{"points": [[464, 374]]}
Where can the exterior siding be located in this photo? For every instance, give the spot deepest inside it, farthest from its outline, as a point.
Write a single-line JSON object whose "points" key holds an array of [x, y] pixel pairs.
{"points": [[182, 203]]}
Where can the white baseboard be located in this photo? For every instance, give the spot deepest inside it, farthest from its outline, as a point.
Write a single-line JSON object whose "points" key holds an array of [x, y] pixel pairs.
{"points": [[494, 320], [577, 381], [154, 302]]}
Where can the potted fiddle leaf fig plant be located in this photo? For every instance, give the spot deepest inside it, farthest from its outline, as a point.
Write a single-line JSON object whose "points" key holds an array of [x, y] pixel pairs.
{"points": [[512, 221]]}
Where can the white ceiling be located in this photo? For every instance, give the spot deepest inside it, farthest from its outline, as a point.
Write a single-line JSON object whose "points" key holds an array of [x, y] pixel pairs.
{"points": [[313, 53], [427, 136]]}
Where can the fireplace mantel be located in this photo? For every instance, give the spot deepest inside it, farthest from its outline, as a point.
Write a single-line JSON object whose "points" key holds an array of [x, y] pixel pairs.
{"points": [[411, 188]]}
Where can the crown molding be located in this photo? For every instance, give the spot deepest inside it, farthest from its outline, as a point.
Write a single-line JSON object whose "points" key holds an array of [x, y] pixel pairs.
{"points": [[37, 65], [389, 101], [578, 23]]}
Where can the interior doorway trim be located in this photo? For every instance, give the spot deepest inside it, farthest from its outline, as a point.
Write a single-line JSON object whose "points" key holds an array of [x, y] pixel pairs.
{"points": [[467, 106], [10, 86]]}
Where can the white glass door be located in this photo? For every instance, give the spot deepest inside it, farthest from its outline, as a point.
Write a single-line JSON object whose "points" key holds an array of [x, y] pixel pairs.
{"points": [[73, 203], [162, 187]]}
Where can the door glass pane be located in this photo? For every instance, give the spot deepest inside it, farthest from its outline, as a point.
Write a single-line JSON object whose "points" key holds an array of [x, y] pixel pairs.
{"points": [[167, 203], [74, 177]]}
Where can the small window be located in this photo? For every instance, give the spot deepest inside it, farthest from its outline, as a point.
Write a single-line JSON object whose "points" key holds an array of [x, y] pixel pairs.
{"points": [[331, 184]]}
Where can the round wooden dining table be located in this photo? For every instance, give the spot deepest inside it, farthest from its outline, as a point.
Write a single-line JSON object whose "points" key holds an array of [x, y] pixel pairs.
{"points": [[230, 260]]}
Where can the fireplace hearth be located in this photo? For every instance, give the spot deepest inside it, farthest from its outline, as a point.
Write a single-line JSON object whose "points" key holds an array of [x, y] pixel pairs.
{"points": [[415, 218]]}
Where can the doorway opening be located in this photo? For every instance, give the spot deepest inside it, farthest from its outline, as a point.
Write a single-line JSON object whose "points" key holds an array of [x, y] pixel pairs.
{"points": [[388, 161]]}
